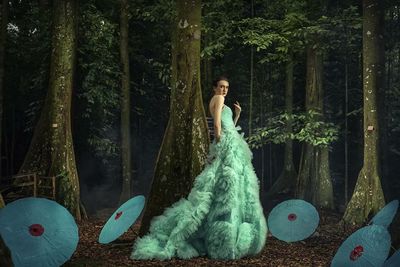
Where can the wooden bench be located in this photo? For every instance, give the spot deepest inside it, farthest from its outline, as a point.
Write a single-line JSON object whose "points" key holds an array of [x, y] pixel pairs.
{"points": [[210, 124], [25, 185]]}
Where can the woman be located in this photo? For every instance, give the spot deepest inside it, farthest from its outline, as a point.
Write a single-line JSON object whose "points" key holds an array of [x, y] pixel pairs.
{"points": [[222, 216]]}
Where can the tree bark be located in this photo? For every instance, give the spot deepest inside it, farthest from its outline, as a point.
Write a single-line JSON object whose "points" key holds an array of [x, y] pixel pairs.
{"points": [[384, 115], [314, 182], [206, 73], [346, 130], [287, 180], [368, 196], [125, 105], [51, 150], [185, 143], [3, 35]]}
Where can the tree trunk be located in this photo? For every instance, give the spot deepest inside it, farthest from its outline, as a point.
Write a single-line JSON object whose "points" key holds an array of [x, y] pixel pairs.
{"points": [[5, 255], [185, 143], [368, 195], [3, 31], [125, 105], [287, 179], [206, 73], [346, 130], [314, 181], [262, 178], [384, 115], [51, 150]]}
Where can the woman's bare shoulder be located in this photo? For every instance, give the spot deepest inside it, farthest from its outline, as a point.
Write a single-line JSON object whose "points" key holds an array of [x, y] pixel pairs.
{"points": [[218, 99]]}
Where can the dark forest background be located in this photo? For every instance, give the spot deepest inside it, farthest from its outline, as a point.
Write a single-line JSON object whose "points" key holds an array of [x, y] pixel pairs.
{"points": [[264, 47]]}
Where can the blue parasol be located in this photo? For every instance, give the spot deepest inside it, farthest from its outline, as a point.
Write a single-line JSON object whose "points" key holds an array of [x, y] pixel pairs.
{"points": [[385, 216], [293, 220], [393, 261], [38, 232], [122, 219], [367, 247]]}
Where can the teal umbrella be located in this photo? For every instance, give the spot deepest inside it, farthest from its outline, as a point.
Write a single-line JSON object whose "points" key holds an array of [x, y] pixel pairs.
{"points": [[393, 261], [39, 232], [122, 219], [293, 220], [385, 216], [367, 247]]}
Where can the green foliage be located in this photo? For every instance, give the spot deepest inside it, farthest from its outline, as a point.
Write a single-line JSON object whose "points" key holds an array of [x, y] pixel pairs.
{"points": [[306, 127], [345, 30], [104, 147], [294, 30], [98, 57], [218, 26], [315, 131], [27, 61], [163, 10]]}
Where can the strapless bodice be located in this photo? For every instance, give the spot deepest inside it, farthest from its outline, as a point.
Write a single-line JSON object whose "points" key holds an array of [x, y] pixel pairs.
{"points": [[227, 122]]}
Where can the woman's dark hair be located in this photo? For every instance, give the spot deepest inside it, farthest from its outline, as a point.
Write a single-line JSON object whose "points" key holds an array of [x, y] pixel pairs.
{"points": [[219, 78]]}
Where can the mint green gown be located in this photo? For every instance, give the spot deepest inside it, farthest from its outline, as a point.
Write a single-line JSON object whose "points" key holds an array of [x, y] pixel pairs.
{"points": [[222, 217]]}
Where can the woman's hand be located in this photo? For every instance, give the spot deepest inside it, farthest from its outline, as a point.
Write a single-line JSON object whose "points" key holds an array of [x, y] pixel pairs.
{"points": [[238, 109]]}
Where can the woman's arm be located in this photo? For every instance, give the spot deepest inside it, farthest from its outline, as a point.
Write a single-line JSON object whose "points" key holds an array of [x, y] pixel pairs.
{"points": [[219, 103]]}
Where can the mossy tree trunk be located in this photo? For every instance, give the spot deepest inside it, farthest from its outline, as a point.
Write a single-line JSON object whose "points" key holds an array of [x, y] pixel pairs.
{"points": [[125, 104], [368, 196], [51, 151], [287, 179], [185, 143], [206, 73], [314, 182], [3, 28]]}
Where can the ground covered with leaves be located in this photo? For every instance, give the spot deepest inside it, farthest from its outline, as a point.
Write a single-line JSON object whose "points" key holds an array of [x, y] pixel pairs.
{"points": [[317, 250]]}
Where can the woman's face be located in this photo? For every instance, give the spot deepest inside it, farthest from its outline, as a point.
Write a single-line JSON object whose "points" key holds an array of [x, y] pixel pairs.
{"points": [[222, 88]]}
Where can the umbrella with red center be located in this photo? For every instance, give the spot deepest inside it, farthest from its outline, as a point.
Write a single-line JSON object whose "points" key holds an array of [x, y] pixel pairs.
{"points": [[385, 216], [367, 247], [38, 232], [122, 219], [293, 220]]}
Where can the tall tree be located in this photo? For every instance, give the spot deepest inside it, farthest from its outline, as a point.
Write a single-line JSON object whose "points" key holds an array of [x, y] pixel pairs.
{"points": [[125, 104], [3, 31], [51, 150], [185, 143], [287, 179], [314, 182], [368, 194]]}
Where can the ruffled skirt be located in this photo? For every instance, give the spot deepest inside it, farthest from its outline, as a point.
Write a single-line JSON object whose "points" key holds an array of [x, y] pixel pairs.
{"points": [[222, 216]]}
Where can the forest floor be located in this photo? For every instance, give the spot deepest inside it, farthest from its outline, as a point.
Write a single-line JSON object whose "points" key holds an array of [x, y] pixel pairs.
{"points": [[317, 250]]}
